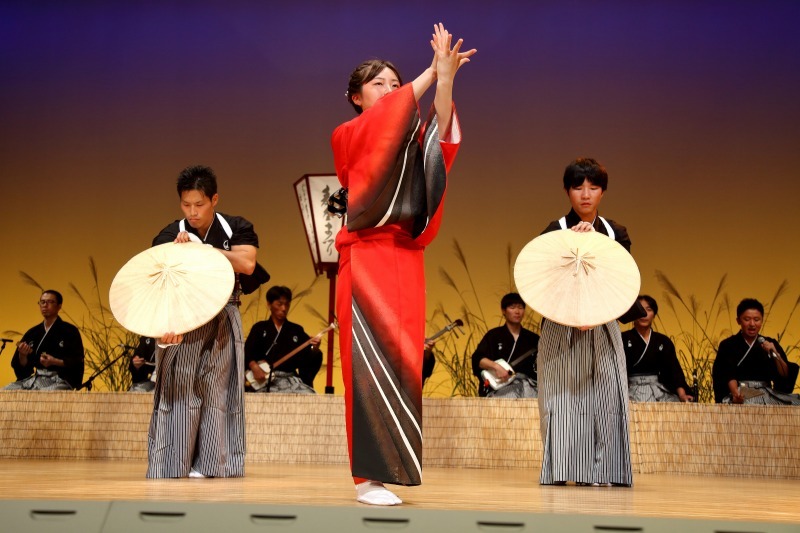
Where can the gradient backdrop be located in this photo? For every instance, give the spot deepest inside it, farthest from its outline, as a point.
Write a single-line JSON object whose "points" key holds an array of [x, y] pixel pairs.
{"points": [[692, 106]]}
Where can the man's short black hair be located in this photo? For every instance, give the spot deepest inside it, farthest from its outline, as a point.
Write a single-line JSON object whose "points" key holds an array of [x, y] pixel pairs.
{"points": [[59, 298], [749, 303], [510, 299], [582, 169], [197, 178], [276, 292]]}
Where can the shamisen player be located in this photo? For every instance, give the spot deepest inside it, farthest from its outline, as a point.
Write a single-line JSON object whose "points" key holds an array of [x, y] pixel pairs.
{"points": [[513, 344], [272, 339]]}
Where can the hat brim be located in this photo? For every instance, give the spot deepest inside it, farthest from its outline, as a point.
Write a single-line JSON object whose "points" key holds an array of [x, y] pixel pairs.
{"points": [[577, 279], [173, 287]]}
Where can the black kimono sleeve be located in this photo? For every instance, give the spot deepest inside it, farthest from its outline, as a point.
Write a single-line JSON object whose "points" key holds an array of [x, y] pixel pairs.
{"points": [[256, 345], [23, 371], [671, 372], [481, 351]]}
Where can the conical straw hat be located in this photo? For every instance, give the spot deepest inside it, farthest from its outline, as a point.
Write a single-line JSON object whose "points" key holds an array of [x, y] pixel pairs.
{"points": [[173, 287], [577, 279]]}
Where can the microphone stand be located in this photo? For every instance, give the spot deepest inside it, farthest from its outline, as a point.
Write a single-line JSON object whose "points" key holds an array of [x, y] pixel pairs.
{"points": [[88, 383]]}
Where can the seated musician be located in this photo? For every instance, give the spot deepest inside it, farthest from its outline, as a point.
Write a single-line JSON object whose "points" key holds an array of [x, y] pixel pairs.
{"points": [[143, 365], [749, 367], [514, 345], [50, 355], [272, 339], [654, 373]]}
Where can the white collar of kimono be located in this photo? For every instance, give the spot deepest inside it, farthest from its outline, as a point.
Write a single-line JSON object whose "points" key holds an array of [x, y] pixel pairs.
{"points": [[749, 347], [224, 223], [562, 222], [646, 344]]}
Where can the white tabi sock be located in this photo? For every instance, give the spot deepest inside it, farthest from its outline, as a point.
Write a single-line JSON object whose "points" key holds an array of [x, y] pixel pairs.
{"points": [[374, 493], [195, 474]]}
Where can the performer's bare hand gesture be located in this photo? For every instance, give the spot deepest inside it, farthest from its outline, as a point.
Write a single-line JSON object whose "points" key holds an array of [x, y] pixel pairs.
{"points": [[446, 62]]}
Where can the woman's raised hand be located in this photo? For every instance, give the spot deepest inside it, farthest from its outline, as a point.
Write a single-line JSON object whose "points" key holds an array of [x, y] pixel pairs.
{"points": [[447, 60]]}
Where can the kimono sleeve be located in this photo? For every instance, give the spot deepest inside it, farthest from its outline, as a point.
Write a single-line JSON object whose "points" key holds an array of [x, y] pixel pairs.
{"points": [[481, 351], [723, 370], [23, 371], [168, 234], [72, 354], [671, 368], [254, 347], [243, 232]]}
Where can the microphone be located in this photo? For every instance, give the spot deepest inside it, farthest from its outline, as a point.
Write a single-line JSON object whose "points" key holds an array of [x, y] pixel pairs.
{"points": [[761, 340], [6, 340], [126, 346]]}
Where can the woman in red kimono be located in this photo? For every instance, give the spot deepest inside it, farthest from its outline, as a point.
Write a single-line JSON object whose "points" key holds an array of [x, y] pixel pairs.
{"points": [[394, 169]]}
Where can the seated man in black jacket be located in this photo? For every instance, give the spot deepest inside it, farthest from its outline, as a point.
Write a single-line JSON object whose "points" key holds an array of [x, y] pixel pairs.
{"points": [[512, 345], [271, 340], [50, 354], [654, 372], [749, 366]]}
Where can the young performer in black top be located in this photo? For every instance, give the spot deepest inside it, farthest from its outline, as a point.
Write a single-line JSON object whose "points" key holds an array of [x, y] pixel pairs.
{"points": [[197, 428], [654, 373]]}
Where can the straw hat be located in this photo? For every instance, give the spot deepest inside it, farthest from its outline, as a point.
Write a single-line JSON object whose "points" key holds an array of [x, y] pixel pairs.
{"points": [[577, 279], [173, 287]]}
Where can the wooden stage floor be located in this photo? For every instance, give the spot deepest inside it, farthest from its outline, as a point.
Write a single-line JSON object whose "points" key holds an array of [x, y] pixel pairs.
{"points": [[768, 501]]}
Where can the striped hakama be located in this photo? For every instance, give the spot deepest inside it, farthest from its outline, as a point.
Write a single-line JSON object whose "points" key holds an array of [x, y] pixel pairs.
{"points": [[42, 379], [143, 386], [198, 413], [647, 388], [285, 383], [522, 387], [583, 405], [764, 395]]}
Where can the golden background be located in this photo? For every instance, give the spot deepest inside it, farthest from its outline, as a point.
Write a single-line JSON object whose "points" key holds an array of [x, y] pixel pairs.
{"points": [[692, 107]]}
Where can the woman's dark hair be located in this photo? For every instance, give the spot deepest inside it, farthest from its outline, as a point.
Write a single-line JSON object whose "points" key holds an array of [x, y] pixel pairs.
{"points": [[585, 168], [650, 301], [276, 292], [197, 178], [749, 303], [364, 73]]}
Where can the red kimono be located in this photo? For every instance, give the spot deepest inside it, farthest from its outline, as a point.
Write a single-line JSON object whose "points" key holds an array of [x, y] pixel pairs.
{"points": [[395, 169]]}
